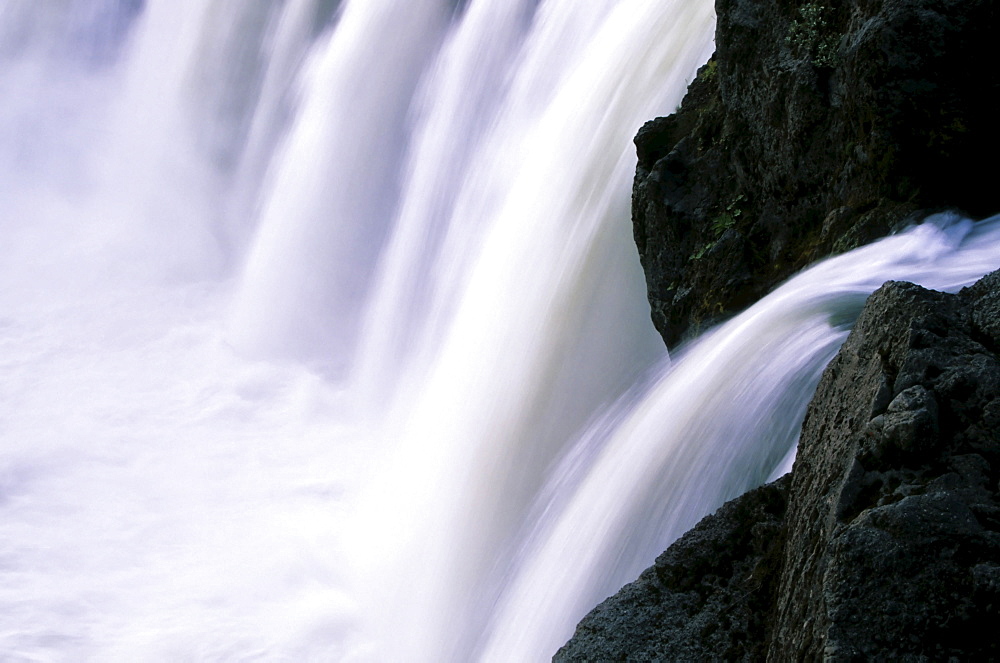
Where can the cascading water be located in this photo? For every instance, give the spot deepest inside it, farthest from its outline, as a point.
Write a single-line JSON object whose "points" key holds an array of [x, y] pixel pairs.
{"points": [[322, 331]]}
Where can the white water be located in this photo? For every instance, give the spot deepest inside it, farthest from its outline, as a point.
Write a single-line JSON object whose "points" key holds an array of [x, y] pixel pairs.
{"points": [[322, 333]]}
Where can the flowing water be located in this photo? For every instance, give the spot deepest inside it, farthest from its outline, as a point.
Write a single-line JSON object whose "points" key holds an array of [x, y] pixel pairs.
{"points": [[322, 336]]}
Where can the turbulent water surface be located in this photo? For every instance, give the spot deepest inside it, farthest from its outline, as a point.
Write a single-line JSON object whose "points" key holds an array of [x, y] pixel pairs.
{"points": [[322, 336]]}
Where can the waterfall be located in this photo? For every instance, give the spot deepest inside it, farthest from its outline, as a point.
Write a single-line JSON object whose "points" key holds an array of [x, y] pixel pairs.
{"points": [[324, 338]]}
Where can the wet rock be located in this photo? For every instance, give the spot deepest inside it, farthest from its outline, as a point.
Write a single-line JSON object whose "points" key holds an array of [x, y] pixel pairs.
{"points": [[889, 546], [816, 127], [690, 602], [889, 575]]}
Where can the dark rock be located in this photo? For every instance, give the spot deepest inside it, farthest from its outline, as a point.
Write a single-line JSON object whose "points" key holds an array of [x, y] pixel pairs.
{"points": [[889, 548], [815, 128], [708, 597], [887, 519]]}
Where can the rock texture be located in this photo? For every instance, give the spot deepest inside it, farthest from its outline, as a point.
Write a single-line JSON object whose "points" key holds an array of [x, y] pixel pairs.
{"points": [[884, 544], [894, 517], [711, 591], [816, 127]]}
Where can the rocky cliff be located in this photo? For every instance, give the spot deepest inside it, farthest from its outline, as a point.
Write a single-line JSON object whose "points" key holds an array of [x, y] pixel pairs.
{"points": [[816, 127], [882, 544]]}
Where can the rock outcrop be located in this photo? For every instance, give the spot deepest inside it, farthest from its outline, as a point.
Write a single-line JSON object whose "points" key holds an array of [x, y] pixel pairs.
{"points": [[708, 596], [816, 127], [884, 542]]}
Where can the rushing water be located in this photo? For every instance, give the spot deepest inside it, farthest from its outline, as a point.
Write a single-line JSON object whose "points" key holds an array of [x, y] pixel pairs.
{"points": [[322, 336]]}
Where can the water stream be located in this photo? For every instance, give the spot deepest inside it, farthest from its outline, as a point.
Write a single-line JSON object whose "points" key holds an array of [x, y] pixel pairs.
{"points": [[323, 337]]}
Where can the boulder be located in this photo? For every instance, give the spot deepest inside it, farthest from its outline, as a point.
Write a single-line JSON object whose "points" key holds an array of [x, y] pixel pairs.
{"points": [[884, 541]]}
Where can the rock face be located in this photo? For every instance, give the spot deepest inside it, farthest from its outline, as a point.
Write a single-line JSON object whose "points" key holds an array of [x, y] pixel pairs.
{"points": [[815, 128], [894, 518], [884, 543], [708, 595]]}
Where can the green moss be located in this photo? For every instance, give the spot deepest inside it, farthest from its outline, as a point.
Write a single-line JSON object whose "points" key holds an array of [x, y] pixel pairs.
{"points": [[709, 71], [722, 223], [700, 253], [719, 225], [808, 39], [727, 219]]}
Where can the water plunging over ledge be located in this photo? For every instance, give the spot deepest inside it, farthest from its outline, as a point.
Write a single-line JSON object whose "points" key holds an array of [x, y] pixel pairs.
{"points": [[323, 335]]}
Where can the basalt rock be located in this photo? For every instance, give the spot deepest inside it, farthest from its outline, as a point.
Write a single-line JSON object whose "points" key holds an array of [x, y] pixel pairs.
{"points": [[710, 592], [884, 542], [816, 127]]}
